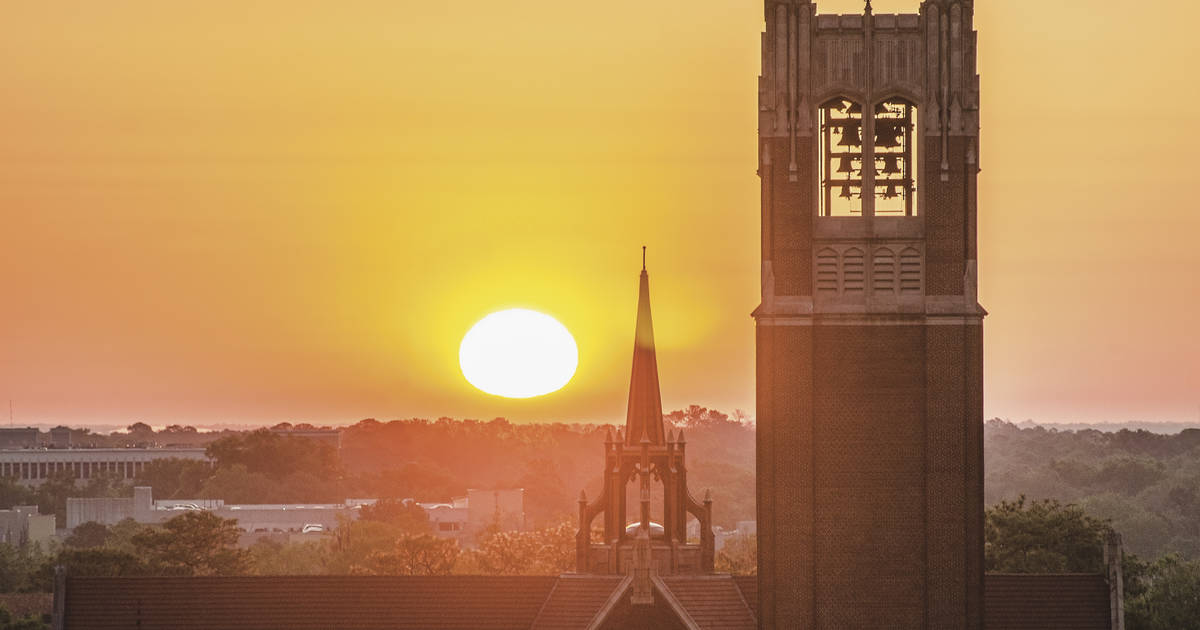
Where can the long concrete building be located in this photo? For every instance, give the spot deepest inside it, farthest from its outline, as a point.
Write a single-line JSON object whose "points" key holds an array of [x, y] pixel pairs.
{"points": [[33, 466]]}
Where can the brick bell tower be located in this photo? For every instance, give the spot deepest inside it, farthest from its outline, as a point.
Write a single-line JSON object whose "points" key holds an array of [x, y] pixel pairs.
{"points": [[869, 334]]}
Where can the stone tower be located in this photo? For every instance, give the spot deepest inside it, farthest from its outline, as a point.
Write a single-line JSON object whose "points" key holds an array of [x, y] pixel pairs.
{"points": [[869, 334]]}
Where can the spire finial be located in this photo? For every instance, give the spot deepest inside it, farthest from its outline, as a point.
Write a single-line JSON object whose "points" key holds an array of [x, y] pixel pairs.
{"points": [[643, 257], [868, 10]]}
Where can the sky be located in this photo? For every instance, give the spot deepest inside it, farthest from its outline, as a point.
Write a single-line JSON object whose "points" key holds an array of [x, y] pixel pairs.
{"points": [[251, 212]]}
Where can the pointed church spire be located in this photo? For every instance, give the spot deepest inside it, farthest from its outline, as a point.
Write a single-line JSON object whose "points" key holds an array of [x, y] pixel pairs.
{"points": [[644, 415]]}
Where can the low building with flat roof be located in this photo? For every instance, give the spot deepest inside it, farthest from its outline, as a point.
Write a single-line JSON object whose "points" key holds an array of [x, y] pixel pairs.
{"points": [[25, 437], [32, 466]]}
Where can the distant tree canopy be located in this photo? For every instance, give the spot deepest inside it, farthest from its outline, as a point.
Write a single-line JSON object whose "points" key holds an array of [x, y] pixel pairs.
{"points": [[1146, 484], [275, 455]]}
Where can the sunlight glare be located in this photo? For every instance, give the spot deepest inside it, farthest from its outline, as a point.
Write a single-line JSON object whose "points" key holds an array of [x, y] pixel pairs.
{"points": [[518, 353]]}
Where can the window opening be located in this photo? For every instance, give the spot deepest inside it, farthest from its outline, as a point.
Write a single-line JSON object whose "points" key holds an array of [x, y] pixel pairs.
{"points": [[841, 160], [895, 158]]}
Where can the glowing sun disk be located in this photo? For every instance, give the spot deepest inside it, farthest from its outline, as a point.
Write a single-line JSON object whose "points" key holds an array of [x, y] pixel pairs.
{"points": [[518, 353]]}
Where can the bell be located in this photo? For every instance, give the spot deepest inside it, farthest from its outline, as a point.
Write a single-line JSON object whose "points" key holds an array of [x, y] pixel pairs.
{"points": [[887, 135], [891, 165], [847, 165], [845, 191], [890, 192], [837, 105], [850, 136], [855, 109]]}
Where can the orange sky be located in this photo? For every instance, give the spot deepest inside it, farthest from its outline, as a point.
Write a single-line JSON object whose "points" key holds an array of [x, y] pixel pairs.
{"points": [[281, 210]]}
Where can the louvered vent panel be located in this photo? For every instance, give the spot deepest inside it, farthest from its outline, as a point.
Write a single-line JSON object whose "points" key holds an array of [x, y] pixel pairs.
{"points": [[883, 271], [854, 271], [910, 271], [827, 271]]}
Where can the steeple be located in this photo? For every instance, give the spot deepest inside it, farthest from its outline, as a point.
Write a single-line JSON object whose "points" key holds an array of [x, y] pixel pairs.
{"points": [[644, 415]]}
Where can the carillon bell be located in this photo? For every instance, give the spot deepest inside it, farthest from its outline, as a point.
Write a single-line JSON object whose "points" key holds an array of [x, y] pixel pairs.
{"points": [[891, 165], [890, 192], [850, 136], [887, 135], [846, 194], [847, 165]]}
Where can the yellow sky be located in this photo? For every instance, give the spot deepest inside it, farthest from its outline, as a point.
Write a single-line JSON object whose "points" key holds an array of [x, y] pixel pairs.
{"points": [[283, 210]]}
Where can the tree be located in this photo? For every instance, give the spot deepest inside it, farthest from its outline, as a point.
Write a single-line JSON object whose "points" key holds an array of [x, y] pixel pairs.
{"points": [[140, 432], [122, 534], [175, 478], [1043, 537], [17, 566], [13, 493], [420, 554], [87, 535], [354, 541], [275, 455], [739, 556], [28, 622], [1164, 595], [97, 562], [274, 558], [406, 515], [546, 496], [53, 493], [194, 543], [548, 551]]}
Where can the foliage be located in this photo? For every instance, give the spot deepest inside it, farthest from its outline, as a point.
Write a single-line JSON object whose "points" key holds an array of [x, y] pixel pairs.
{"points": [[354, 541], [96, 562], [277, 456], [175, 478], [548, 551], [406, 515], [268, 557], [17, 566], [193, 543], [739, 556], [28, 622], [1043, 537], [420, 554], [87, 535], [13, 493], [1163, 595]]}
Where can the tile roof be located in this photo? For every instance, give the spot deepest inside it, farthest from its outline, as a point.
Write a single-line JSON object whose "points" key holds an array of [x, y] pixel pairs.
{"points": [[577, 601], [1012, 602], [748, 585], [306, 602], [713, 602], [1046, 602]]}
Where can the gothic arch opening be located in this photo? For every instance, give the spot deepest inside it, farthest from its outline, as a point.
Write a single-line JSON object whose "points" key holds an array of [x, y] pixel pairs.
{"points": [[895, 157], [841, 158]]}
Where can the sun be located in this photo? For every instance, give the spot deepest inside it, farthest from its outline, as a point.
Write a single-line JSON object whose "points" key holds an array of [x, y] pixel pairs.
{"points": [[518, 353]]}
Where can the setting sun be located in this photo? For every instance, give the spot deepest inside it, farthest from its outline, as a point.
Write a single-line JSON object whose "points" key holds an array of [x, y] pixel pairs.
{"points": [[518, 353]]}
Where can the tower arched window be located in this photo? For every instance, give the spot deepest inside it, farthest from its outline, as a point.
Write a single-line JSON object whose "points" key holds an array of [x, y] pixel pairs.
{"points": [[889, 142], [895, 157], [841, 158]]}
